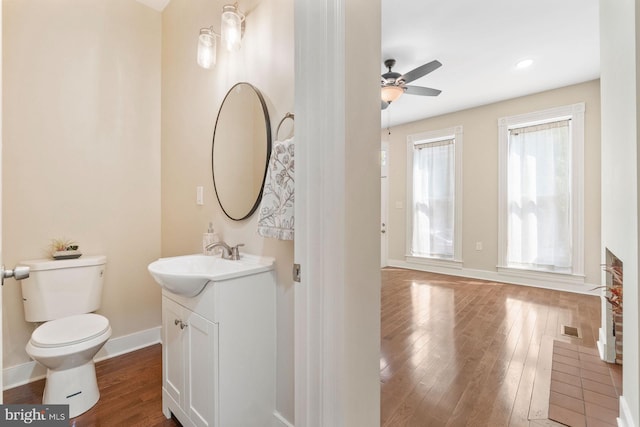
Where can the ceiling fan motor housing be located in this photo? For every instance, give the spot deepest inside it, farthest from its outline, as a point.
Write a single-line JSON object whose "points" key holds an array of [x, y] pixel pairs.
{"points": [[390, 77]]}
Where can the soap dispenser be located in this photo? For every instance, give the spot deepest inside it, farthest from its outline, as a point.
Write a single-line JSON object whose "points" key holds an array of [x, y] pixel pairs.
{"points": [[208, 238]]}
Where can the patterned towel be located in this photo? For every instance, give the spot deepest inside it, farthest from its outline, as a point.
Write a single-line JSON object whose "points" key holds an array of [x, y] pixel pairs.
{"points": [[276, 208]]}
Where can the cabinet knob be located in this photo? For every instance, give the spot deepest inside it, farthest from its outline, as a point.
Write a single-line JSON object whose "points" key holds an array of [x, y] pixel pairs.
{"points": [[181, 323]]}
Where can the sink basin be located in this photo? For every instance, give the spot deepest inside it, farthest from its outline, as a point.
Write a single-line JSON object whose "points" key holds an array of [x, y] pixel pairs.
{"points": [[187, 275]]}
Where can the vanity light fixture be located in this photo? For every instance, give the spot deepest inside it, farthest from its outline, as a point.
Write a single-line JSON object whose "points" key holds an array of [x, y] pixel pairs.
{"points": [[207, 48], [232, 26]]}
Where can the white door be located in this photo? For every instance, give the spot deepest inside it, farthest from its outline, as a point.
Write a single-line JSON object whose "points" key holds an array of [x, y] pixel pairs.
{"points": [[384, 204]]}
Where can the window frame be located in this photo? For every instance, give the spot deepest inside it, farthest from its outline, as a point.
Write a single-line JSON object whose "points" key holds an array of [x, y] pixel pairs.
{"points": [[574, 112], [455, 133]]}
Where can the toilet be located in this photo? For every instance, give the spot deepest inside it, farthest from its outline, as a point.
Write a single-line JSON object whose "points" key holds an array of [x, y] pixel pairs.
{"points": [[63, 294]]}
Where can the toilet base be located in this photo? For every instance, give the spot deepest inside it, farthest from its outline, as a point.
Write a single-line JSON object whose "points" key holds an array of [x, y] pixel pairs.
{"points": [[76, 387]]}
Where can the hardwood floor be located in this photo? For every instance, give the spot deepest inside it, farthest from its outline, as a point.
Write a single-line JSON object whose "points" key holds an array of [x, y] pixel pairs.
{"points": [[463, 352], [454, 352], [130, 392]]}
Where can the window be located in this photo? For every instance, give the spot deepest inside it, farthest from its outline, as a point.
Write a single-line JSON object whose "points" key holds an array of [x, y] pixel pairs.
{"points": [[541, 190], [434, 182]]}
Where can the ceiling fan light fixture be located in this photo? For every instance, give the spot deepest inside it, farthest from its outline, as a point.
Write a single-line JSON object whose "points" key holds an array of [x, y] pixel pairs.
{"points": [[393, 85], [391, 93]]}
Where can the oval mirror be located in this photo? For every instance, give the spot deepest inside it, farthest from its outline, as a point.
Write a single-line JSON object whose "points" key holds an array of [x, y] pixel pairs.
{"points": [[241, 147]]}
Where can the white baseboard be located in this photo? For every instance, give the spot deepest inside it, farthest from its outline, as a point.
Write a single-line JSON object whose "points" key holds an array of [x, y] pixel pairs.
{"points": [[495, 276], [128, 343], [625, 419], [24, 373], [18, 375], [602, 344], [606, 350], [280, 421]]}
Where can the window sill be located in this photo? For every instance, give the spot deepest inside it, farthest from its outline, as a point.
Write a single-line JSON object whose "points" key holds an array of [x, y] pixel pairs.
{"points": [[434, 262], [520, 273]]}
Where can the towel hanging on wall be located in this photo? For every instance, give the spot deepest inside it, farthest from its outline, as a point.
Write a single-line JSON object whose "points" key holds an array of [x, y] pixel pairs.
{"points": [[276, 214]]}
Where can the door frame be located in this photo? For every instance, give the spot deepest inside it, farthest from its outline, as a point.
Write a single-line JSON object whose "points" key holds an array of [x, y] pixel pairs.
{"points": [[318, 340], [337, 303], [1, 315]]}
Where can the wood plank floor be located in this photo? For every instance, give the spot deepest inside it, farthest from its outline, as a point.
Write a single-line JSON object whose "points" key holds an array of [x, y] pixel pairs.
{"points": [[463, 352], [130, 392], [454, 352]]}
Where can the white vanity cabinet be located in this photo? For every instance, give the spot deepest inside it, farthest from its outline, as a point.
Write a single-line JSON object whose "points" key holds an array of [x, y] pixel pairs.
{"points": [[218, 356], [190, 368]]}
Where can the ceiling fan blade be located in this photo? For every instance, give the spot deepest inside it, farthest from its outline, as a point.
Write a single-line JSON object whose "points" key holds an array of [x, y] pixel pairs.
{"points": [[422, 70], [384, 105], [424, 91]]}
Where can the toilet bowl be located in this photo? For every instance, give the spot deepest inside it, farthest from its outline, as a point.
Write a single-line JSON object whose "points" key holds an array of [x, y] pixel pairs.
{"points": [[66, 347], [64, 294]]}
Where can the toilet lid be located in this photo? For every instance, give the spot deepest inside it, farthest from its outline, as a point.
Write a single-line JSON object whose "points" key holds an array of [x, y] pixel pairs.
{"points": [[69, 330]]}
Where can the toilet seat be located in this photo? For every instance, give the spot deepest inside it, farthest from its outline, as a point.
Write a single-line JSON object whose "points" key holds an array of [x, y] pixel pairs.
{"points": [[69, 330]]}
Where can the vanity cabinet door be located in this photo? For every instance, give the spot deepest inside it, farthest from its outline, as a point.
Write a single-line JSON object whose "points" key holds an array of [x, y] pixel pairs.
{"points": [[202, 371], [173, 364]]}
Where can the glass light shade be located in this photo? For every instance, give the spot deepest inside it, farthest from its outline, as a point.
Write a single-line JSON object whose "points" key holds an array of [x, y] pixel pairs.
{"points": [[391, 93], [206, 48], [231, 27]]}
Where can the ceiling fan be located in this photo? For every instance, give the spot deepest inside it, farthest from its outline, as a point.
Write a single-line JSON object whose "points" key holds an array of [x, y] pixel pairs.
{"points": [[393, 84]]}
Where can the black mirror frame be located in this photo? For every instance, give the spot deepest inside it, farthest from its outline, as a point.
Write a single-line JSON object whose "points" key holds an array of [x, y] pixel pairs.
{"points": [[268, 148]]}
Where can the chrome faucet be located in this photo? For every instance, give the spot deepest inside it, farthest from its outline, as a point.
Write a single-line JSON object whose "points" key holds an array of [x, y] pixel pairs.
{"points": [[232, 253]]}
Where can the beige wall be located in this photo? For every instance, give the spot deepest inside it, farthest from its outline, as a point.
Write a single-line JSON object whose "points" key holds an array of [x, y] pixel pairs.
{"points": [[620, 75], [81, 149], [362, 215], [191, 98], [480, 174]]}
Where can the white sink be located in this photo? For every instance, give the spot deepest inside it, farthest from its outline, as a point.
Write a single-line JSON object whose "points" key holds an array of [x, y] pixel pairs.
{"points": [[188, 275]]}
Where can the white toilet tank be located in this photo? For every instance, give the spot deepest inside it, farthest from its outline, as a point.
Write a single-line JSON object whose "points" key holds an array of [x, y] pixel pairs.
{"points": [[60, 288]]}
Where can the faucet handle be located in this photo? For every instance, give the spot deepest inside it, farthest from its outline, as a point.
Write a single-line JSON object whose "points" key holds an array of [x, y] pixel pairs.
{"points": [[235, 251]]}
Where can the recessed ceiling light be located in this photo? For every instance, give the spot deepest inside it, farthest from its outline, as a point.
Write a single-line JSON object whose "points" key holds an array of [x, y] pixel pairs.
{"points": [[524, 63]]}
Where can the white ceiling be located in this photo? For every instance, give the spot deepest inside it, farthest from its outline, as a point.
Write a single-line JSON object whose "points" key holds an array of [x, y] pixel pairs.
{"points": [[479, 43], [245, 6]]}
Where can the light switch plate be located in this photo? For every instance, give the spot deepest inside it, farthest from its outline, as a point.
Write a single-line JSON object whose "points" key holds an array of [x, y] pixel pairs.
{"points": [[199, 195]]}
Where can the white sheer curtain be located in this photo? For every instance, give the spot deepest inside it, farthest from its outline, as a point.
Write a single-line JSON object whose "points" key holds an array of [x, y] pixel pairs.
{"points": [[433, 199], [539, 197]]}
